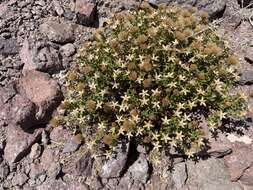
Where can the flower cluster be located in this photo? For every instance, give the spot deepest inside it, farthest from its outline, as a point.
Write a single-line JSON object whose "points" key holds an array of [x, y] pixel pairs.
{"points": [[149, 76]]}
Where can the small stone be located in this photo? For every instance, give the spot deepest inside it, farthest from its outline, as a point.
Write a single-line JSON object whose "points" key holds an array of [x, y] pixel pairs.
{"points": [[35, 151], [57, 7], [4, 171], [140, 170], [68, 50], [58, 31], [19, 179], [82, 167], [71, 146], [60, 134]]}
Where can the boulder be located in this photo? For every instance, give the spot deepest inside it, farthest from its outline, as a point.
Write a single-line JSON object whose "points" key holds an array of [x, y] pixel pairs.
{"points": [[85, 12], [44, 92], [40, 56], [19, 143], [209, 174], [58, 31]]}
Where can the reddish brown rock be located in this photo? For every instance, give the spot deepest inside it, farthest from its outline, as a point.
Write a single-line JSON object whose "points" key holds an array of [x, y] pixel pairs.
{"points": [[40, 56], [42, 91], [58, 31], [85, 12], [60, 134], [247, 178], [239, 161], [19, 143]]}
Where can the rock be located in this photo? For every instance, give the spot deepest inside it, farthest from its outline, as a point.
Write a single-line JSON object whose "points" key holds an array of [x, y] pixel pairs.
{"points": [[249, 55], [67, 50], [19, 143], [4, 171], [36, 171], [35, 151], [32, 84], [60, 134], [8, 47], [71, 146], [54, 170], [40, 56], [115, 165], [58, 31], [22, 112], [85, 12], [158, 2], [246, 77], [139, 171], [209, 174], [19, 179], [82, 167], [57, 7], [3, 9], [247, 178], [215, 8], [179, 175], [49, 157], [58, 184], [239, 160], [45, 138]]}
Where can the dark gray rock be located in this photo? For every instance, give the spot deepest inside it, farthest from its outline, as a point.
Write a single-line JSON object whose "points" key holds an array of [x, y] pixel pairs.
{"points": [[58, 31], [8, 47], [246, 77], [4, 171]]}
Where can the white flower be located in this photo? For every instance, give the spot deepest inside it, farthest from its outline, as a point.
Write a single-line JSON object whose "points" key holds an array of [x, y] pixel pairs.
{"points": [[156, 105], [125, 98], [144, 93], [144, 101], [115, 85], [165, 138], [101, 126], [92, 85], [155, 92], [165, 120], [202, 102], [119, 119], [99, 105], [148, 125]]}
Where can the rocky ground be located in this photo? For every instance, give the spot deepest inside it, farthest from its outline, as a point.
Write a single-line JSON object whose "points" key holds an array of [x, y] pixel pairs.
{"points": [[38, 42]]}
